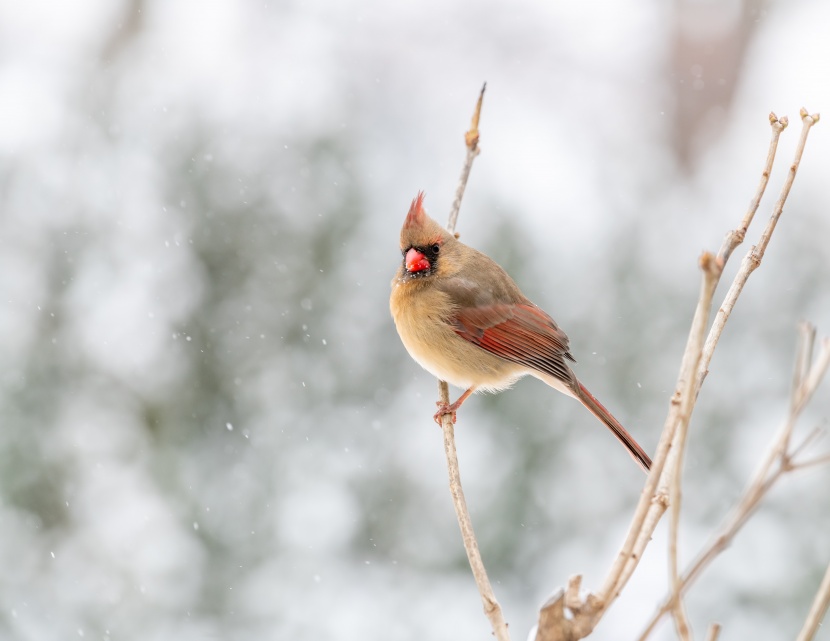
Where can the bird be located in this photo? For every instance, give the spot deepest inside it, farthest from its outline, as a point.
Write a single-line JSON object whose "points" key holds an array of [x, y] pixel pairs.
{"points": [[463, 319]]}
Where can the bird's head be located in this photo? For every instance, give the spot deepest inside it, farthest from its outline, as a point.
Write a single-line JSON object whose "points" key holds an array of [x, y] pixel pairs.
{"points": [[423, 241]]}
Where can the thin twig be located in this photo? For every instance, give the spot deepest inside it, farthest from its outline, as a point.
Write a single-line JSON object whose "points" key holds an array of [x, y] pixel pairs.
{"points": [[471, 140], [753, 258], [805, 354], [572, 600], [657, 508], [813, 462], [808, 440], [736, 236], [675, 465], [817, 370], [803, 360], [798, 398], [492, 609], [817, 610], [713, 633]]}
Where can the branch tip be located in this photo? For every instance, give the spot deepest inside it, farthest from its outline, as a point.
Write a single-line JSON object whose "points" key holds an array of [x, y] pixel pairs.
{"points": [[471, 137], [572, 600], [778, 124], [714, 632], [808, 118], [471, 140]]}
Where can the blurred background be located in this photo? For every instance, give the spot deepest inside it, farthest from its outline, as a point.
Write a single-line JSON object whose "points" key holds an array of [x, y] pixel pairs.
{"points": [[209, 428]]}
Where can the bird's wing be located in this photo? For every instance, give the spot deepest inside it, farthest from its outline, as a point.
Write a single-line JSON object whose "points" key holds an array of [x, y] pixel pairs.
{"points": [[518, 332]]}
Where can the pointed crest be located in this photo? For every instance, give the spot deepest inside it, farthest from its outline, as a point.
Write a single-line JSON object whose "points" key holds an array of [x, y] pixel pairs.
{"points": [[416, 216]]}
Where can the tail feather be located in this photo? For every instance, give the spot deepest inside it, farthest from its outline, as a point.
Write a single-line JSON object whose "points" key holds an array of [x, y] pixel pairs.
{"points": [[598, 410]]}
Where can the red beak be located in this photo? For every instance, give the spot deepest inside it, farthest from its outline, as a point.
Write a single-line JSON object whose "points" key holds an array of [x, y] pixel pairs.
{"points": [[415, 261]]}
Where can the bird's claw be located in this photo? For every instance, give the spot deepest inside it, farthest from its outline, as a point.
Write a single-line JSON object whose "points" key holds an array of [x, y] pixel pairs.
{"points": [[443, 410]]}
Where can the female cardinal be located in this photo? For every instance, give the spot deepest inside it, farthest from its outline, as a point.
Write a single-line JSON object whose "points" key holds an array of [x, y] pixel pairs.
{"points": [[464, 320]]}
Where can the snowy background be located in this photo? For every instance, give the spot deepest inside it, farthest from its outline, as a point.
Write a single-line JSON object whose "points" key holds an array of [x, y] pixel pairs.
{"points": [[208, 426]]}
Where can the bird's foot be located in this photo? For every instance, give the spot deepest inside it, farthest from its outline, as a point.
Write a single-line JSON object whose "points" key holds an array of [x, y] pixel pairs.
{"points": [[443, 410]]}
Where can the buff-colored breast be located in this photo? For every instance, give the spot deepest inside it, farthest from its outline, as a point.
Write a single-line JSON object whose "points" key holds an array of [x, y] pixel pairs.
{"points": [[422, 316]]}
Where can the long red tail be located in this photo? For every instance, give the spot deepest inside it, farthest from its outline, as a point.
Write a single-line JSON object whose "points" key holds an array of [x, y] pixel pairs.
{"points": [[598, 410]]}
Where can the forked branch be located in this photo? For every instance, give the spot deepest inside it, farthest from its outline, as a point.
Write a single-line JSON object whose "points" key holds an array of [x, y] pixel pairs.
{"points": [[663, 483], [779, 461]]}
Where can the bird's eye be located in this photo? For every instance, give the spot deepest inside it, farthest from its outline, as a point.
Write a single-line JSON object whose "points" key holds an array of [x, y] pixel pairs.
{"points": [[435, 248]]}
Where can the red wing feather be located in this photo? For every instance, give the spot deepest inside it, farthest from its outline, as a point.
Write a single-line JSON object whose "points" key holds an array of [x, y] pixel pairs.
{"points": [[518, 333]]}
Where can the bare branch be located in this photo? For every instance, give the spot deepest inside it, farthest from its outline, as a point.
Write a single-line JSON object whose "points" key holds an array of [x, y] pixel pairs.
{"points": [[572, 600], [813, 462], [798, 399], [471, 140], [763, 480], [817, 371], [713, 633], [753, 258], [808, 440], [817, 610], [659, 505], [663, 481], [679, 412], [674, 472], [807, 120], [613, 583], [492, 609], [736, 236], [805, 354]]}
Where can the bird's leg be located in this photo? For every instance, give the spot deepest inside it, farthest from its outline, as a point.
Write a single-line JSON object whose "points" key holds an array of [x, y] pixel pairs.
{"points": [[450, 408]]}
